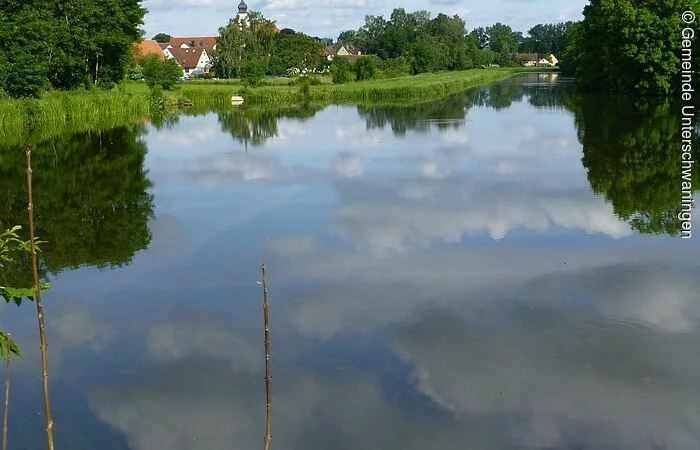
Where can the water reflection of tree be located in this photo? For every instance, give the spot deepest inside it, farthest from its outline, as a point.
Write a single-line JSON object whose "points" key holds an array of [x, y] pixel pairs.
{"points": [[541, 91], [254, 126], [444, 114], [90, 192], [632, 154]]}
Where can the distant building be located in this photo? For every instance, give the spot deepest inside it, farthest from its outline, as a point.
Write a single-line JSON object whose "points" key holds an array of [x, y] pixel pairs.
{"points": [[207, 42], [190, 59], [242, 15], [537, 60], [147, 47], [342, 49]]}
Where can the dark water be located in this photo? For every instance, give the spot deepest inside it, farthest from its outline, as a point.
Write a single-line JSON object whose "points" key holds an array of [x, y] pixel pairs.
{"points": [[501, 270]]}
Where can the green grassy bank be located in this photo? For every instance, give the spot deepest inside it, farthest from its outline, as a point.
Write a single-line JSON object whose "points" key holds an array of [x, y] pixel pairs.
{"points": [[82, 111]]}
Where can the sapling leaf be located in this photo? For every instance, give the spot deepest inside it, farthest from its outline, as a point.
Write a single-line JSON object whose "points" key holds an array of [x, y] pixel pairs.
{"points": [[4, 348], [13, 347]]}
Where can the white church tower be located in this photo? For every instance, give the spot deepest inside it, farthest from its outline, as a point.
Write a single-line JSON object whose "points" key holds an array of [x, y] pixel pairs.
{"points": [[242, 13]]}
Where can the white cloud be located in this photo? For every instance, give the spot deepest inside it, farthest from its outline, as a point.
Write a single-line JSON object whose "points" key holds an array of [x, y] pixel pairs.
{"points": [[557, 375], [349, 165]]}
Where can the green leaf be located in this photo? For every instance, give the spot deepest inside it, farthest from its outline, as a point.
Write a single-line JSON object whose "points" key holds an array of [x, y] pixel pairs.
{"points": [[5, 349]]}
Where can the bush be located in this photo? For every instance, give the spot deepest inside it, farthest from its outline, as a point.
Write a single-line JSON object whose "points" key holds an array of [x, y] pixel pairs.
{"points": [[253, 72], [341, 70], [25, 77], [310, 80], [161, 73], [305, 86], [106, 85], [396, 67], [157, 98], [323, 66], [365, 67]]}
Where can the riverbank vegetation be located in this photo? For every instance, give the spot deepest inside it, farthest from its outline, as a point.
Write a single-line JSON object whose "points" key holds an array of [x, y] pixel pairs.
{"points": [[630, 47], [52, 44], [405, 44], [24, 121]]}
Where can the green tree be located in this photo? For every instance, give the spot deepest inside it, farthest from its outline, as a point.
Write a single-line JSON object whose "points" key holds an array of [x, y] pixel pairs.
{"points": [[547, 38], [429, 55], [51, 43], [452, 32], [480, 37], [503, 41], [240, 42], [158, 72], [294, 50], [629, 46], [349, 36], [162, 38], [369, 36]]}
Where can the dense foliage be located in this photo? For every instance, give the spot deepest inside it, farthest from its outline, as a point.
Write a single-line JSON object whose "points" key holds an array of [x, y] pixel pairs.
{"points": [[407, 43], [629, 46], [160, 72], [631, 154], [162, 38], [66, 44], [240, 43], [103, 225]]}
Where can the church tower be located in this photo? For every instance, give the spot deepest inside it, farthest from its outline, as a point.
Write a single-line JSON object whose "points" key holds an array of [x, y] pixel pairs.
{"points": [[242, 12]]}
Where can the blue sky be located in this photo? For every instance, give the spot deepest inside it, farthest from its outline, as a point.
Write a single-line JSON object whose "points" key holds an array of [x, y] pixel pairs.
{"points": [[326, 18]]}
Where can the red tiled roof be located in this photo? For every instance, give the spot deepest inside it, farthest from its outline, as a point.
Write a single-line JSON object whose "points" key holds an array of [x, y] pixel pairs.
{"points": [[148, 47], [187, 58], [207, 41]]}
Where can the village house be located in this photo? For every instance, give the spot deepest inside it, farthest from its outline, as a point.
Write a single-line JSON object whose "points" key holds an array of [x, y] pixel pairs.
{"points": [[207, 42], [537, 60], [147, 47], [342, 49], [190, 59]]}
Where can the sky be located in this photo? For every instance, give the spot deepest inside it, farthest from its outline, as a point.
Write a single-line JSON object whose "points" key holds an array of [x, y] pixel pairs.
{"points": [[327, 18]]}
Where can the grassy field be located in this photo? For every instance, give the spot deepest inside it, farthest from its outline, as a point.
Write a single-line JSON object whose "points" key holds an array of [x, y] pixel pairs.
{"points": [[132, 101]]}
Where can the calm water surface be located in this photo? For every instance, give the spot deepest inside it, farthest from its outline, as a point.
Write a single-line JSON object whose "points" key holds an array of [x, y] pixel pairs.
{"points": [[496, 271]]}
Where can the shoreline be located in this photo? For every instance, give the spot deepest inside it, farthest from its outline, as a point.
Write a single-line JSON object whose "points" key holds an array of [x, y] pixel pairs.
{"points": [[24, 121]]}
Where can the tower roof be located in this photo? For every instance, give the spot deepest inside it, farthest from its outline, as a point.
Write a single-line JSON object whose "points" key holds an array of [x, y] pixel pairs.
{"points": [[242, 7]]}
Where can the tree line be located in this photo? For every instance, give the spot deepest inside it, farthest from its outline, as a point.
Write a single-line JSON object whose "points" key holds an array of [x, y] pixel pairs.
{"points": [[59, 44], [444, 43], [620, 46], [631, 46]]}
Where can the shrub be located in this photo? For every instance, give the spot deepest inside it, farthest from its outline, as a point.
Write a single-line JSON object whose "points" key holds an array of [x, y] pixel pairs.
{"points": [[25, 78], [157, 98], [365, 67], [253, 72], [396, 67], [161, 73], [341, 70], [310, 80], [323, 66], [305, 86]]}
